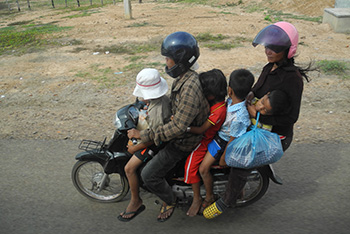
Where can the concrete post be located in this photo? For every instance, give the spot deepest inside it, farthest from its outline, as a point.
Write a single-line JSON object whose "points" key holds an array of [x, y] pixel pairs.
{"points": [[339, 17], [127, 9], [342, 4]]}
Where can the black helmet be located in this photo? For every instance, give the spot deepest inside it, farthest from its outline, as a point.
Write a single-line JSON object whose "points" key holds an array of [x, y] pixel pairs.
{"points": [[183, 48]]}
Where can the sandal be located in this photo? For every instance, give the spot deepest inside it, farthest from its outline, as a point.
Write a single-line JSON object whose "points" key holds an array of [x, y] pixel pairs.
{"points": [[211, 211], [134, 213], [164, 209]]}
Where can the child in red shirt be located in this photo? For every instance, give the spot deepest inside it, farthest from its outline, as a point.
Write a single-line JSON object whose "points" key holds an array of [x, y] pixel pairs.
{"points": [[214, 87]]}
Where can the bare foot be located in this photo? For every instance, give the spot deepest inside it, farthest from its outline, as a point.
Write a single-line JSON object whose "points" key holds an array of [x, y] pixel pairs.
{"points": [[195, 206]]}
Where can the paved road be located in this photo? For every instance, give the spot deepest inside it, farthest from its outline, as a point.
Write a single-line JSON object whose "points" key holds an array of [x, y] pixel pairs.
{"points": [[37, 196]]}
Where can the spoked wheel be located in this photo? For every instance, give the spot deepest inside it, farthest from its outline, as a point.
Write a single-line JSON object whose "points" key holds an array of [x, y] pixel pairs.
{"points": [[90, 180], [255, 188]]}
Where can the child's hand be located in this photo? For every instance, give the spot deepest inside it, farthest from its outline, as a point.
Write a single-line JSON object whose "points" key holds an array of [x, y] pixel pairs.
{"points": [[131, 149], [249, 98], [251, 110], [222, 161]]}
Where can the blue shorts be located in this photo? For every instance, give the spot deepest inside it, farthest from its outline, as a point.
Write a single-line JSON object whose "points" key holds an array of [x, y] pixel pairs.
{"points": [[217, 147]]}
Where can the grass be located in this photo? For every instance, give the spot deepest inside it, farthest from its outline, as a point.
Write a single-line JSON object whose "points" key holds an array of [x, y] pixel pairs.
{"points": [[103, 76], [204, 2], [137, 25], [205, 37], [106, 77], [23, 37], [133, 48], [253, 8], [129, 48], [275, 16], [334, 67], [219, 41]]}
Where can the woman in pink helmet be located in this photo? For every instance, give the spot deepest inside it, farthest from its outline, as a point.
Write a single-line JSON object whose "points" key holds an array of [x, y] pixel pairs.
{"points": [[280, 41]]}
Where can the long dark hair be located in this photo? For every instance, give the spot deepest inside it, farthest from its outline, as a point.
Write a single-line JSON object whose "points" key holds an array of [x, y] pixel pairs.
{"points": [[303, 70]]}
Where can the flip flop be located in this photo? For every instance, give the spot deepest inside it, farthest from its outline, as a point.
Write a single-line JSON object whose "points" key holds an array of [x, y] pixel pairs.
{"points": [[135, 213], [165, 208]]}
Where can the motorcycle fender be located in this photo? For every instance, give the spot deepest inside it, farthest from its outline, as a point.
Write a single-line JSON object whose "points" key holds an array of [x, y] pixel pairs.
{"points": [[268, 169], [92, 156], [120, 156], [117, 163]]}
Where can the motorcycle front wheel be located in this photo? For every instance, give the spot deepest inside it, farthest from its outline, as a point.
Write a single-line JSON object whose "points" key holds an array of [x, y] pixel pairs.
{"points": [[255, 188], [91, 181]]}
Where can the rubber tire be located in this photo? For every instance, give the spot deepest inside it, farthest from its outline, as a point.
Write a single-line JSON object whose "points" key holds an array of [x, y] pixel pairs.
{"points": [[123, 182], [264, 185]]}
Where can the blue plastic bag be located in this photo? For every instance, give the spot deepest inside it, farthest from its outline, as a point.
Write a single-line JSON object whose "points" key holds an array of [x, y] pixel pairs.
{"points": [[254, 148]]}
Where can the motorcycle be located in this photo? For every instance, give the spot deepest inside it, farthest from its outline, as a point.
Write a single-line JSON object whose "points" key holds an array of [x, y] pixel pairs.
{"points": [[99, 172]]}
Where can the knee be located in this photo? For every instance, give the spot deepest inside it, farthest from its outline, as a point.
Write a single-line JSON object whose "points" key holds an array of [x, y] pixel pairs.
{"points": [[129, 170], [204, 171]]}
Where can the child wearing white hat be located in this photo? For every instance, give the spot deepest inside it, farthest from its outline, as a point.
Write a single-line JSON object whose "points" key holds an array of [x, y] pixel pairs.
{"points": [[151, 87]]}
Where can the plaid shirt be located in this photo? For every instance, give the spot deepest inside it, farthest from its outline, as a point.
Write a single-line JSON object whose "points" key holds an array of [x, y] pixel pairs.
{"points": [[189, 107]]}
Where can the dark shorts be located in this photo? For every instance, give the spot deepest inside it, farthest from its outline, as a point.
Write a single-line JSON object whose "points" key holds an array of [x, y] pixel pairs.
{"points": [[217, 147], [147, 154]]}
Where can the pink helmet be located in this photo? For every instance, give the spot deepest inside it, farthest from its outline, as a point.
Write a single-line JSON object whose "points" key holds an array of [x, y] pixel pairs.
{"points": [[279, 37]]}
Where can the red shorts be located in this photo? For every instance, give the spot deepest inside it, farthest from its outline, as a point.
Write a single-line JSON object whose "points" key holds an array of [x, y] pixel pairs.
{"points": [[192, 164]]}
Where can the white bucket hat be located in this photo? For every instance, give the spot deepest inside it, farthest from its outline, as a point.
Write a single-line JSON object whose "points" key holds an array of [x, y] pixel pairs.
{"points": [[149, 84]]}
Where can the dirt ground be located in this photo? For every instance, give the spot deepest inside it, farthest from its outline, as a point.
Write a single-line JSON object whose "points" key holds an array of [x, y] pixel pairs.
{"points": [[44, 95]]}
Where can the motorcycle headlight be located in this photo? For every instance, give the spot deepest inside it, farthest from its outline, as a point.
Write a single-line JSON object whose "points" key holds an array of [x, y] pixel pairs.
{"points": [[117, 122]]}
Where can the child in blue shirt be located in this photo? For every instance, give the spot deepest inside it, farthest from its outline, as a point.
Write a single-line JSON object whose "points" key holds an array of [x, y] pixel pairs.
{"points": [[236, 124]]}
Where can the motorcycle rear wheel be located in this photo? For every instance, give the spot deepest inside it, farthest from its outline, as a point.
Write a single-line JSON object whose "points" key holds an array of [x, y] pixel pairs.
{"points": [[91, 181], [255, 188]]}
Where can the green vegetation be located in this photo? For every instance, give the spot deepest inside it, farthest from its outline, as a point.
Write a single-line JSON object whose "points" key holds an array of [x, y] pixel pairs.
{"points": [[143, 24], [205, 37], [107, 78], [83, 14], [24, 37], [134, 68], [133, 48], [129, 48], [275, 16], [254, 8], [83, 11], [136, 25], [334, 67], [204, 2], [103, 76], [219, 42]]}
